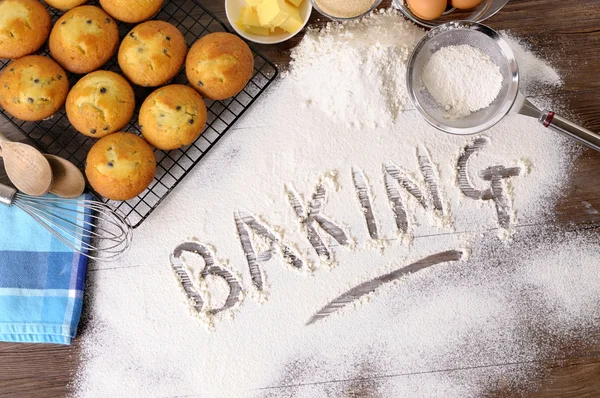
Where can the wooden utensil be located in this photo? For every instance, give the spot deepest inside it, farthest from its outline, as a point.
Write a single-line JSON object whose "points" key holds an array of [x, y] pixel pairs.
{"points": [[67, 180], [26, 167]]}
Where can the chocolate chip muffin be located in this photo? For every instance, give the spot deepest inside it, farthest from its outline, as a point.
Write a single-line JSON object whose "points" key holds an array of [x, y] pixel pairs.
{"points": [[131, 11], [219, 65], [64, 5], [152, 53], [84, 39], [33, 88], [120, 166], [101, 103], [17, 37], [172, 116]]}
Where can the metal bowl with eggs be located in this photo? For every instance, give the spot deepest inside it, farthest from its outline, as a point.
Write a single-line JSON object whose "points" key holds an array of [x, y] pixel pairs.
{"points": [[431, 13]]}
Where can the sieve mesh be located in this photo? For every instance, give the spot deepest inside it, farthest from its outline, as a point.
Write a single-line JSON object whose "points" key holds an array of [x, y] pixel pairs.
{"points": [[478, 36]]}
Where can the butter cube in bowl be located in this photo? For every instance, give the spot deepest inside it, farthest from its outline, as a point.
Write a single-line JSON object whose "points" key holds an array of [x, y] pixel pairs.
{"points": [[268, 21]]}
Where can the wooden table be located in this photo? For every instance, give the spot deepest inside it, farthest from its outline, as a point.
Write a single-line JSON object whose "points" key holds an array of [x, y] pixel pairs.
{"points": [[567, 32]]}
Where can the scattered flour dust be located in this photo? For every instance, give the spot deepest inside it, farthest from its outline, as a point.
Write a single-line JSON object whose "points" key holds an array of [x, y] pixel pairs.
{"points": [[509, 302], [462, 79]]}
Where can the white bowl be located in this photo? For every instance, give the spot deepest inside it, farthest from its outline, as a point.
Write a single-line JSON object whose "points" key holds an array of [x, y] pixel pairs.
{"points": [[233, 8]]}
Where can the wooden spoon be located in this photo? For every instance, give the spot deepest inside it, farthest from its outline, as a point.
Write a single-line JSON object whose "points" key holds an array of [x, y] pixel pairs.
{"points": [[68, 181], [26, 167]]}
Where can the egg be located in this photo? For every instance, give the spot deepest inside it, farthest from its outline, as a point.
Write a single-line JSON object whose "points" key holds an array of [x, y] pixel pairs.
{"points": [[427, 9], [465, 4]]}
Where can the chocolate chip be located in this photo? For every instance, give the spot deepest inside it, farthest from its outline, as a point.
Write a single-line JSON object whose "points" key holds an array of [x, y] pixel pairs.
{"points": [[89, 21], [105, 128], [165, 50], [200, 83], [63, 23], [93, 131], [36, 81], [140, 49], [103, 90], [110, 164], [30, 100], [11, 69], [59, 77], [168, 38], [178, 107], [191, 121], [131, 35], [107, 20]]}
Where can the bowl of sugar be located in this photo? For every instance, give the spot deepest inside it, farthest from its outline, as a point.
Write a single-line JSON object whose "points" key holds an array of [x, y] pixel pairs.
{"points": [[345, 10], [268, 21], [432, 13]]}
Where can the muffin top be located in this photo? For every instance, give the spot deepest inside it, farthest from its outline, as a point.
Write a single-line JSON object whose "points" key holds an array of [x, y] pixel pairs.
{"points": [[152, 53], [219, 65], [33, 87], [101, 103], [120, 166], [172, 116], [64, 5], [131, 11], [17, 17], [84, 39]]}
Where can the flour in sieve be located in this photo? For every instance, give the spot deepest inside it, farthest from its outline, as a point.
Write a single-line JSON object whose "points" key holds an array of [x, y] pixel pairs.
{"points": [[462, 79]]}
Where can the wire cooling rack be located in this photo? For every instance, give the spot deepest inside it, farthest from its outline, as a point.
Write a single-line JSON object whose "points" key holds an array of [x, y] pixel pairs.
{"points": [[57, 136]]}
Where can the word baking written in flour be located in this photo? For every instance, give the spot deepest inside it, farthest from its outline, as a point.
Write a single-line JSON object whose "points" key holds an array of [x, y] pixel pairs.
{"points": [[312, 220]]}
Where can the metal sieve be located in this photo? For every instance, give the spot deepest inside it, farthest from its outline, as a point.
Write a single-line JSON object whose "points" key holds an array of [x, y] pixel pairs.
{"points": [[509, 100]]}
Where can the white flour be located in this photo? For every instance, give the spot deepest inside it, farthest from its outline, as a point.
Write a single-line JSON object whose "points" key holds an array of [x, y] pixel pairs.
{"points": [[485, 311], [462, 79]]}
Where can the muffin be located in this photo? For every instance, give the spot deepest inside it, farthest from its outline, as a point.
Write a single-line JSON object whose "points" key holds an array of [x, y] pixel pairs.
{"points": [[17, 38], [33, 88], [120, 166], [64, 5], [131, 11], [219, 65], [84, 39], [172, 116], [101, 103], [152, 53]]}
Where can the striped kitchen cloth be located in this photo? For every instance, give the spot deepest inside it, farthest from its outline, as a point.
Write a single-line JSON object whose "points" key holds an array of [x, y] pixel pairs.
{"points": [[41, 281]]}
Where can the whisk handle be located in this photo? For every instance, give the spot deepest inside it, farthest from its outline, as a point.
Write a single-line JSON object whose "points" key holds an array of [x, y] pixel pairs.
{"points": [[571, 130], [7, 194]]}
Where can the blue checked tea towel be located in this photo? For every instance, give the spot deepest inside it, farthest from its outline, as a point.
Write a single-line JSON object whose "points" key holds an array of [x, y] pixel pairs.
{"points": [[41, 282]]}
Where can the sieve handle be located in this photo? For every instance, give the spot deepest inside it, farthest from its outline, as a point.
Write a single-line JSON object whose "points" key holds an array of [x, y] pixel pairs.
{"points": [[571, 130]]}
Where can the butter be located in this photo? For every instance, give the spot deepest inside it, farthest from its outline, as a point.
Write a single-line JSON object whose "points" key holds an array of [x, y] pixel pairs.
{"points": [[293, 23], [265, 17], [254, 3], [249, 22], [272, 13]]}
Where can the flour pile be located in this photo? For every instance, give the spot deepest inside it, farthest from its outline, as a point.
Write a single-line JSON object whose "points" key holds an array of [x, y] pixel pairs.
{"points": [[462, 79], [347, 153]]}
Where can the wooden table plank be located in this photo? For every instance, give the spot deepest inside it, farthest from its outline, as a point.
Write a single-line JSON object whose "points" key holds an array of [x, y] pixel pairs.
{"points": [[569, 34]]}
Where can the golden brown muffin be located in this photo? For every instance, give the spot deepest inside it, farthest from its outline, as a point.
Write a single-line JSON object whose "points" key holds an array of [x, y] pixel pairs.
{"points": [[131, 11], [33, 87], [152, 53], [64, 5], [101, 103], [120, 166], [172, 116], [219, 65], [24, 27], [84, 39]]}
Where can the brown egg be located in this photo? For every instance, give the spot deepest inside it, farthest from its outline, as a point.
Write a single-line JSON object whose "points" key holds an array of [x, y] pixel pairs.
{"points": [[465, 4], [427, 9]]}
